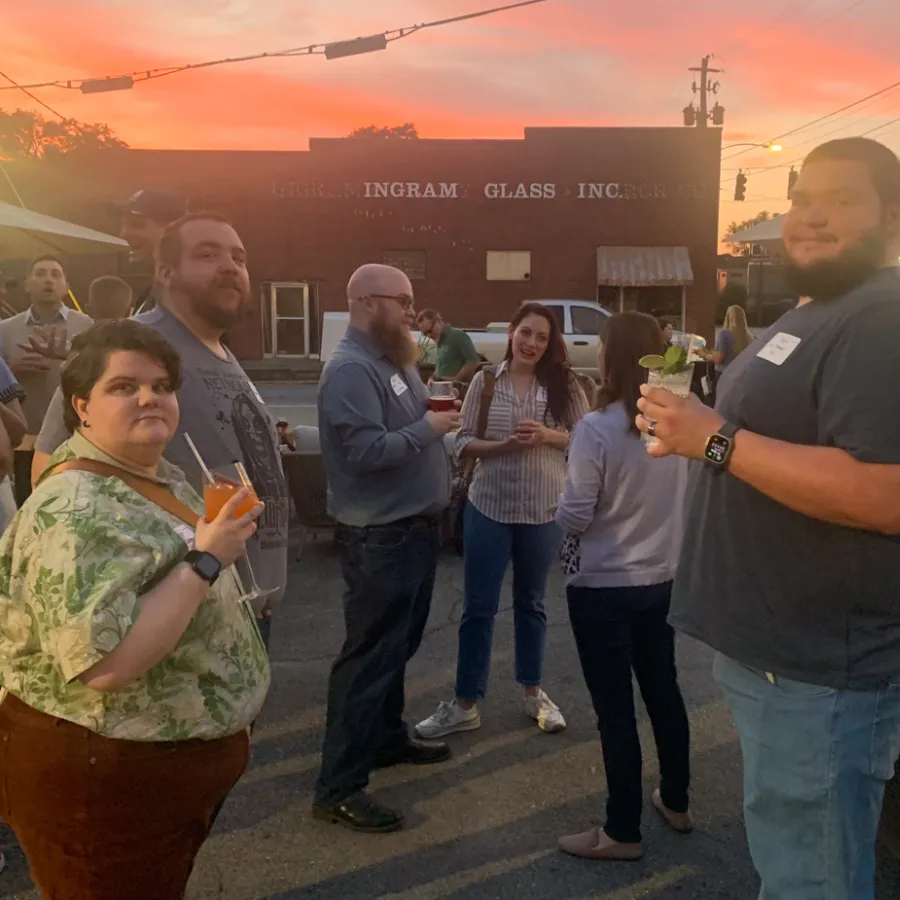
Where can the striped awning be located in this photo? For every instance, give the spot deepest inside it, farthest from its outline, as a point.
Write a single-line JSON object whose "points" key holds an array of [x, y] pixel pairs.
{"points": [[643, 266]]}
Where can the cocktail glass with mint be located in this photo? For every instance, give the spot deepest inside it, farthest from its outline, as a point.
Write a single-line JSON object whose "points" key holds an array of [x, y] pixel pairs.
{"points": [[674, 372]]}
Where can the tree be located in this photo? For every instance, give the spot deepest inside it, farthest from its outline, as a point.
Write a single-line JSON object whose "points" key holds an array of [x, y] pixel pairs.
{"points": [[25, 134], [405, 132], [735, 227]]}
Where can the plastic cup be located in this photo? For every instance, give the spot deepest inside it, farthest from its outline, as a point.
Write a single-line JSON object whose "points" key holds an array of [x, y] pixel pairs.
{"points": [[678, 383], [442, 397]]}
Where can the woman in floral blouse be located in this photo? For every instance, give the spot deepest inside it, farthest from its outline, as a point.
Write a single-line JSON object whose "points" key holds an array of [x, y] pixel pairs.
{"points": [[131, 672]]}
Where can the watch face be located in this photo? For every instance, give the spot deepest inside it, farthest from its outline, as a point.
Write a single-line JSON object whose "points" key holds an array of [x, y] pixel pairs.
{"points": [[207, 567], [717, 449]]}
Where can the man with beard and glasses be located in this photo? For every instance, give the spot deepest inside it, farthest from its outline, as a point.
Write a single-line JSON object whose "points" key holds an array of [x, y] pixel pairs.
{"points": [[791, 560], [388, 482], [204, 290]]}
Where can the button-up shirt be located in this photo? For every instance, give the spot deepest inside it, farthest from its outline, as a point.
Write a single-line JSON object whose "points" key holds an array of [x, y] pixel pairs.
{"points": [[76, 563], [383, 460], [519, 488], [60, 318]]}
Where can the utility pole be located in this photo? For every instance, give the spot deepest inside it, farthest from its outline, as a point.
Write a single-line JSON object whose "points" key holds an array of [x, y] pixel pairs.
{"points": [[705, 89]]}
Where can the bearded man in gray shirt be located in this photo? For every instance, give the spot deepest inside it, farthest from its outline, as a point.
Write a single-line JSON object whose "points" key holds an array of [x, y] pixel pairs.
{"points": [[790, 566], [388, 481]]}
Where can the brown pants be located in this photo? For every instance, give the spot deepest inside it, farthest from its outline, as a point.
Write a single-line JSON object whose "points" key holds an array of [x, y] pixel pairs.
{"points": [[102, 819]]}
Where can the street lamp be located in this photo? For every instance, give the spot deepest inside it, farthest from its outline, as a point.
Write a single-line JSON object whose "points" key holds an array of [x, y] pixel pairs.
{"points": [[773, 148]]}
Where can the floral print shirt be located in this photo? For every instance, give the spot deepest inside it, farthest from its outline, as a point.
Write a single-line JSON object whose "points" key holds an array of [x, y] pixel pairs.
{"points": [[74, 565]]}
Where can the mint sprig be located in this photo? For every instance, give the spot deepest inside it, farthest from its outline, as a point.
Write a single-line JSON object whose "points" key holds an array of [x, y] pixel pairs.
{"points": [[675, 361]]}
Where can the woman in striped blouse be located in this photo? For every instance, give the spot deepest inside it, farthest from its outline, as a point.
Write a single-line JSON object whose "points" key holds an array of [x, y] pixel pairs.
{"points": [[518, 478]]}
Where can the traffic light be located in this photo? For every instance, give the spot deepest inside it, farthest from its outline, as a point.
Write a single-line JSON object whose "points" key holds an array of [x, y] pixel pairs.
{"points": [[718, 115], [740, 186], [690, 116], [792, 180]]}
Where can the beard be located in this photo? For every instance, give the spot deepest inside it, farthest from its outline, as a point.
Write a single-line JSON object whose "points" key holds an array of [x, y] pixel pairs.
{"points": [[207, 304], [395, 340], [833, 278]]}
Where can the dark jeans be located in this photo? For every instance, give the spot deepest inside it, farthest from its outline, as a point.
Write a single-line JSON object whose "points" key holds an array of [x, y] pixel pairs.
{"points": [[22, 460], [489, 547], [618, 630], [389, 571]]}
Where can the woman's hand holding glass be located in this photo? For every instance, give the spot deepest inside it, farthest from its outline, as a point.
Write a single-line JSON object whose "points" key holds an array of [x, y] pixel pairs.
{"points": [[226, 536]]}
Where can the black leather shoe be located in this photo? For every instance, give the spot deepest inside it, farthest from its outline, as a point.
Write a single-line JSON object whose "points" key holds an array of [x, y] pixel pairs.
{"points": [[360, 813], [414, 753]]}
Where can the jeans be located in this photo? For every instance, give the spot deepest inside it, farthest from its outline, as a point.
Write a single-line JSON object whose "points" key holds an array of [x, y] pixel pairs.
{"points": [[618, 630], [389, 572], [816, 761], [488, 547]]}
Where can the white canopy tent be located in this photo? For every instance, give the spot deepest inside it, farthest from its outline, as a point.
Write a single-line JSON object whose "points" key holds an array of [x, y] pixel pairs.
{"points": [[25, 234]]}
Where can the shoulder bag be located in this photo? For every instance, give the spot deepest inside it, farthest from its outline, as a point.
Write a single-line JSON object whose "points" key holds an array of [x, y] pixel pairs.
{"points": [[453, 519], [146, 487]]}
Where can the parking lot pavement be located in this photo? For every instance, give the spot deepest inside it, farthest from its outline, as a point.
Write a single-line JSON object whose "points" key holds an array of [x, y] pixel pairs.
{"points": [[483, 826]]}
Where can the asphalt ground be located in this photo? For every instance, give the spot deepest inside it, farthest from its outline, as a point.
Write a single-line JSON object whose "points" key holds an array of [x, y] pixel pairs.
{"points": [[484, 825]]}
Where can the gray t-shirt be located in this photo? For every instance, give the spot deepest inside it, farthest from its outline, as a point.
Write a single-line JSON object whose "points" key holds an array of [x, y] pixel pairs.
{"points": [[725, 346], [227, 420], [776, 590], [383, 460]]}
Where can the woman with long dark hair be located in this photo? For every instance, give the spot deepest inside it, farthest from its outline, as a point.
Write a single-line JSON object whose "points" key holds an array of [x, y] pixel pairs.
{"points": [[518, 476], [621, 512]]}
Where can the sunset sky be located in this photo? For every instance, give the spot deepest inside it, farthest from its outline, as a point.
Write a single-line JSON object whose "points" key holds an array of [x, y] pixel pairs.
{"points": [[563, 62]]}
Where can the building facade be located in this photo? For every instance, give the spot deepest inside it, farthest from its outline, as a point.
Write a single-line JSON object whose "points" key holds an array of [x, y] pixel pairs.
{"points": [[626, 216]]}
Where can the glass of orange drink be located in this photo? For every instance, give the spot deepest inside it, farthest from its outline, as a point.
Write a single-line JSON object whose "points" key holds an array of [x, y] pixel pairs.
{"points": [[216, 495]]}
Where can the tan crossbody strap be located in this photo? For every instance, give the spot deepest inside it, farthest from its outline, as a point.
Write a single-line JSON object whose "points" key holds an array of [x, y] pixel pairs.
{"points": [[487, 397], [149, 490]]}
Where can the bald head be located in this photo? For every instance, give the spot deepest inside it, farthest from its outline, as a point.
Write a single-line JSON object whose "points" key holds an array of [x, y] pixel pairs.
{"points": [[374, 280]]}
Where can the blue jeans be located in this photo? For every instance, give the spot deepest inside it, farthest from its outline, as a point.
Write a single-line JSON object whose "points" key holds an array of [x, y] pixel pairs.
{"points": [[389, 571], [816, 761], [488, 547]]}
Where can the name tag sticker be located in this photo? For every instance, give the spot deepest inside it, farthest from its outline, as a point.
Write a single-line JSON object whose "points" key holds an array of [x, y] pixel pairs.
{"points": [[256, 393], [399, 385], [186, 533], [779, 348]]}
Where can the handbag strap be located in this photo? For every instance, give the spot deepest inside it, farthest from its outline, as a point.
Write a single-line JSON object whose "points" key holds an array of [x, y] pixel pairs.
{"points": [[487, 398], [148, 489]]}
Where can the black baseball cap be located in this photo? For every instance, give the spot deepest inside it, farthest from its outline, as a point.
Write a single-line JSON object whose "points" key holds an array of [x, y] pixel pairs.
{"points": [[159, 204]]}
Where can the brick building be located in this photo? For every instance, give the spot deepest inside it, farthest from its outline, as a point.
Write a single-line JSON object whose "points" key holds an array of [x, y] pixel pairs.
{"points": [[627, 216]]}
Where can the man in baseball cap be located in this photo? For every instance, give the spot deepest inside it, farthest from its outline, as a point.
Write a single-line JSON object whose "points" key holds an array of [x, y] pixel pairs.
{"points": [[144, 217]]}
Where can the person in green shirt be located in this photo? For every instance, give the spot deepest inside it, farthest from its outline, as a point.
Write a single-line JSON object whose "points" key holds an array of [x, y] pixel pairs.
{"points": [[457, 358]]}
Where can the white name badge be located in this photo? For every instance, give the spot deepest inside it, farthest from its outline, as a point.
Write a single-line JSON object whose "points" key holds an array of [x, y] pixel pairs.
{"points": [[186, 533], [256, 393], [399, 385], [779, 348]]}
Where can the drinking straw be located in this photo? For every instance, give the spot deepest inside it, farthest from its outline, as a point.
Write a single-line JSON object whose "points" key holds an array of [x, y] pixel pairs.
{"points": [[199, 458], [242, 474]]}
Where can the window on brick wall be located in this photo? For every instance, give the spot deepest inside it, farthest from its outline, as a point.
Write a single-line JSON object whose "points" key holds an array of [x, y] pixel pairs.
{"points": [[412, 262], [508, 265]]}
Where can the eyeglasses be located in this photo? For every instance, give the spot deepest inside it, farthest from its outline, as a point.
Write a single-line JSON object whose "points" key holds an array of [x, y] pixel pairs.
{"points": [[405, 301]]}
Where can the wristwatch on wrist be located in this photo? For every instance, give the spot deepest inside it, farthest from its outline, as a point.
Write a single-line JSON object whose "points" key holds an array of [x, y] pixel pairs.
{"points": [[719, 448], [204, 564]]}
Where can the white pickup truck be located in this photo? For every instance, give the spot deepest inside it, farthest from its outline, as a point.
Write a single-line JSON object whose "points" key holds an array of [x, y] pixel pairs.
{"points": [[581, 322]]}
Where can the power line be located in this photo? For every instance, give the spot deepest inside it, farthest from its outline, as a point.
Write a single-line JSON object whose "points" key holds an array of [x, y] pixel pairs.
{"points": [[29, 94], [824, 118], [370, 42]]}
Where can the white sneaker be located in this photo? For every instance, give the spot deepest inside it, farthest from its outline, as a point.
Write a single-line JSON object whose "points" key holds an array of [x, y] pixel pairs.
{"points": [[545, 712], [448, 719]]}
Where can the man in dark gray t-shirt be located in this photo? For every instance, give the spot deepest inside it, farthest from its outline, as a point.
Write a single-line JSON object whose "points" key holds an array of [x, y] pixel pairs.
{"points": [[205, 289], [790, 567]]}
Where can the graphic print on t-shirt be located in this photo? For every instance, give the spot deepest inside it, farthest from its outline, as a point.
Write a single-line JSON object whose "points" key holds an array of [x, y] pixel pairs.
{"points": [[264, 468]]}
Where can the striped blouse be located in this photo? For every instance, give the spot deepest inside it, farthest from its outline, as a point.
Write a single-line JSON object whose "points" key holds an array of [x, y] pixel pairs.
{"points": [[520, 488]]}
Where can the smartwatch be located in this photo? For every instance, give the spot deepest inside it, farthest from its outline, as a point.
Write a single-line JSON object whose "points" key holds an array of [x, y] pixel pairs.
{"points": [[719, 448], [204, 564]]}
